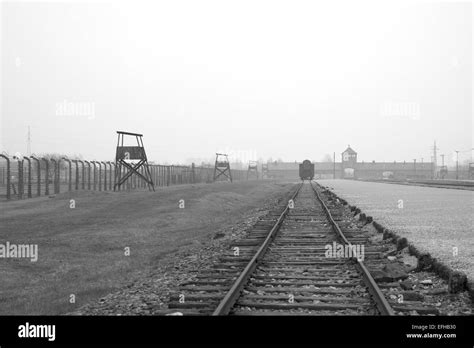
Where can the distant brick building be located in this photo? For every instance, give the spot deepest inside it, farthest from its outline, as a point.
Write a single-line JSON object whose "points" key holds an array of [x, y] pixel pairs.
{"points": [[349, 167]]}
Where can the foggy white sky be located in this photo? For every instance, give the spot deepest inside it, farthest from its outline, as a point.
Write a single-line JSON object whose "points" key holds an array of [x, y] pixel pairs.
{"points": [[281, 79]]}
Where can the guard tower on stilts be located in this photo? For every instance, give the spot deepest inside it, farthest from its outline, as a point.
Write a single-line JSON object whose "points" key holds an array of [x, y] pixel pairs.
{"points": [[124, 155], [252, 171], [264, 170], [222, 167]]}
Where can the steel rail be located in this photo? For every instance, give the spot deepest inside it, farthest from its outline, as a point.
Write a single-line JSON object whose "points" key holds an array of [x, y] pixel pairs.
{"points": [[233, 294], [380, 300]]}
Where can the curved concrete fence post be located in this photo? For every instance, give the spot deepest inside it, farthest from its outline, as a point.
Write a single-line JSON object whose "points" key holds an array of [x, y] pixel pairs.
{"points": [[20, 178], [158, 173], [164, 173], [8, 176], [88, 174], [105, 175], [70, 172], [38, 175], [46, 190], [95, 175], [100, 175], [76, 179], [110, 175], [162, 176], [112, 183], [54, 162], [83, 184], [29, 175], [58, 174]]}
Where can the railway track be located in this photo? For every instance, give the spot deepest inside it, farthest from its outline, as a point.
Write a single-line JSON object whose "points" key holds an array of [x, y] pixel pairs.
{"points": [[285, 266]]}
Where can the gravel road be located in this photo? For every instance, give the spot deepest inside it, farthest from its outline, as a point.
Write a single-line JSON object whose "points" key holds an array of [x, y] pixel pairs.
{"points": [[435, 220]]}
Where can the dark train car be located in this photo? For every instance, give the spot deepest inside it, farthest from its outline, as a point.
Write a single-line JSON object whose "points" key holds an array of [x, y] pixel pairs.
{"points": [[306, 170]]}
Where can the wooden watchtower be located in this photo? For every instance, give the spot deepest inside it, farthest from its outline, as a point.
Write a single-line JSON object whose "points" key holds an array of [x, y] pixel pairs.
{"points": [[222, 167], [252, 170], [124, 157], [264, 170]]}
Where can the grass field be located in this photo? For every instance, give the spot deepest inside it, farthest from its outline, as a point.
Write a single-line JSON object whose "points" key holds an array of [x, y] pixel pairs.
{"points": [[81, 250]]}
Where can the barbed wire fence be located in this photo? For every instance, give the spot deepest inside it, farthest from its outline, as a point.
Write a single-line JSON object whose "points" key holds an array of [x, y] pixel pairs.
{"points": [[30, 177]]}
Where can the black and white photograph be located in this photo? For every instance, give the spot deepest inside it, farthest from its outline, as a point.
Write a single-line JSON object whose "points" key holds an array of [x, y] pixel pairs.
{"points": [[243, 172]]}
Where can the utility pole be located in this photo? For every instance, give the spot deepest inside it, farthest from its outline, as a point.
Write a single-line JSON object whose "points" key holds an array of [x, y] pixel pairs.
{"points": [[334, 165], [457, 164], [442, 171], [435, 148], [435, 159], [432, 168], [414, 165]]}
